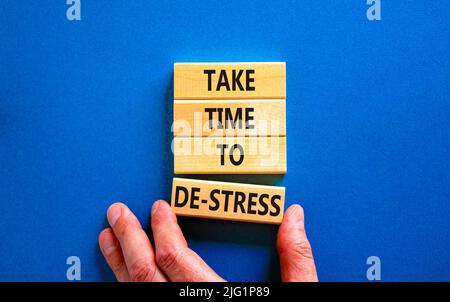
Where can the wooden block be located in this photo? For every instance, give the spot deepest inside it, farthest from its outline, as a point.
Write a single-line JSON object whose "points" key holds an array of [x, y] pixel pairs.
{"points": [[230, 81], [229, 201], [229, 118], [229, 155]]}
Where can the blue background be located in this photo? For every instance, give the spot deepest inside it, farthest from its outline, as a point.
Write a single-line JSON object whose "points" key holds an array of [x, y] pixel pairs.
{"points": [[86, 110]]}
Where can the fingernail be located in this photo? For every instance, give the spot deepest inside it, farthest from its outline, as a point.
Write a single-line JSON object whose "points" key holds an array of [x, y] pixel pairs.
{"points": [[155, 207], [296, 214], [109, 245], [114, 213]]}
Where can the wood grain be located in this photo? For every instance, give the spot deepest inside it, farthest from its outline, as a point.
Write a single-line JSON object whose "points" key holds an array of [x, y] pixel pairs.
{"points": [[261, 155], [268, 81], [229, 118]]}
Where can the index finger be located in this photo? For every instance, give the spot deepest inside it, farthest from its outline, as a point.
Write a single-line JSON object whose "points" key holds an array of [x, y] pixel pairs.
{"points": [[136, 248], [173, 255]]}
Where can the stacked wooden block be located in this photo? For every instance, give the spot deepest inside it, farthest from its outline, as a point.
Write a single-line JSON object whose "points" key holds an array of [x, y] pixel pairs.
{"points": [[229, 118]]}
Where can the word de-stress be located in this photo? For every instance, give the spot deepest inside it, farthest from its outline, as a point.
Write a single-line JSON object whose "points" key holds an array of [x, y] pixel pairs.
{"points": [[229, 201]]}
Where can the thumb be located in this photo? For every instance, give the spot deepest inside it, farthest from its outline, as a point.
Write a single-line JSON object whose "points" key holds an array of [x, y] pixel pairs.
{"points": [[296, 258]]}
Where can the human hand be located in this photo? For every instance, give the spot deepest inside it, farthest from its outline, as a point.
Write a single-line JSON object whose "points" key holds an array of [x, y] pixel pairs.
{"points": [[131, 256]]}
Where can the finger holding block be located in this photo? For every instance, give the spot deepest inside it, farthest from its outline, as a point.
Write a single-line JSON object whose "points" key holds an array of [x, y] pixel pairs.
{"points": [[228, 201], [229, 155], [230, 80], [229, 118]]}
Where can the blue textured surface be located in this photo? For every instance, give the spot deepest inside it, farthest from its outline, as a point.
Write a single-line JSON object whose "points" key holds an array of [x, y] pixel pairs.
{"points": [[85, 115]]}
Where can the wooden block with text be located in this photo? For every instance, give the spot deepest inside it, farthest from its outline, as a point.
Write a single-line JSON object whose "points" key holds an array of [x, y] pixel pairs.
{"points": [[228, 201], [230, 80], [229, 155], [229, 118]]}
